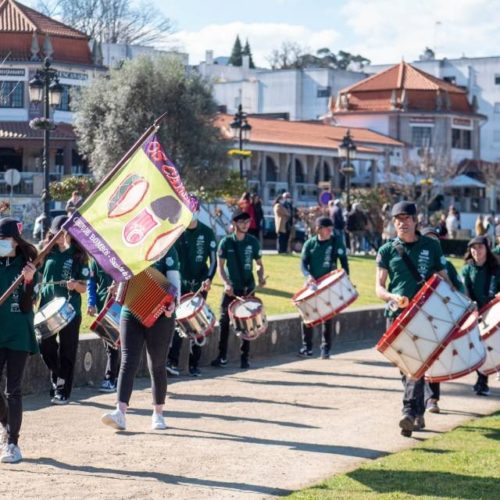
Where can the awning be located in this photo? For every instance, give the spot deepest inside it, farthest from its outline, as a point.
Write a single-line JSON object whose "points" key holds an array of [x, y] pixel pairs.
{"points": [[463, 181]]}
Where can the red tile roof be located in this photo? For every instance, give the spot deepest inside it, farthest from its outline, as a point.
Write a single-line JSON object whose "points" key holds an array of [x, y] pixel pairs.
{"points": [[306, 134], [22, 130]]}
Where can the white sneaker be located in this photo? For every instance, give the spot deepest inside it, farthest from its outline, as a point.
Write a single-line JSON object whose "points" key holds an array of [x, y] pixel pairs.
{"points": [[115, 419], [11, 454], [158, 422]]}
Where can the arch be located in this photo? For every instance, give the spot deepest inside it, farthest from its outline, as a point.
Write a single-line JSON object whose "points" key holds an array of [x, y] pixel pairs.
{"points": [[271, 170], [299, 171], [327, 172]]}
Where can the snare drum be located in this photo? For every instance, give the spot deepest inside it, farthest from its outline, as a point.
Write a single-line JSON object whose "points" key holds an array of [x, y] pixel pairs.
{"points": [[248, 317], [53, 317], [489, 326], [463, 354], [107, 324], [331, 294], [420, 333], [194, 318]]}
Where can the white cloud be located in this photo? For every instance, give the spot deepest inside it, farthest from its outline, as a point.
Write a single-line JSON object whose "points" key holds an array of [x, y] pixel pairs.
{"points": [[263, 38]]}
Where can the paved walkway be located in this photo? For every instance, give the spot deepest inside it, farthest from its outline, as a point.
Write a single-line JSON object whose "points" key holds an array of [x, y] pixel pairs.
{"points": [[286, 424]]}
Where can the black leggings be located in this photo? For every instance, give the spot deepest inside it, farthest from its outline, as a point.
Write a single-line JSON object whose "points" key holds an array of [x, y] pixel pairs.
{"points": [[224, 327], [133, 336], [11, 408]]}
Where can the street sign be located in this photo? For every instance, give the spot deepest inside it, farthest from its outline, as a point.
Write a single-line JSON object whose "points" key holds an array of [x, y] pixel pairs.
{"points": [[12, 177], [324, 198]]}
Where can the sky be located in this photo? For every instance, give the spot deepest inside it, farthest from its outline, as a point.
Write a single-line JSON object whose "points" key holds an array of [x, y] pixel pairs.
{"points": [[384, 31]]}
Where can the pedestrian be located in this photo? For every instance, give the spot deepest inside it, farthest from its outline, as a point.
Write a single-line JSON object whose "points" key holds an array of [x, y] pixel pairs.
{"points": [[479, 226], [17, 333], [259, 217], [245, 204], [74, 202], [356, 225], [424, 258], [452, 222], [337, 216], [282, 223]]}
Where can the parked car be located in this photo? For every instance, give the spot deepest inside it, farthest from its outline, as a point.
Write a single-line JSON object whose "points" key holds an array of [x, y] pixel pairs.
{"points": [[269, 235]]}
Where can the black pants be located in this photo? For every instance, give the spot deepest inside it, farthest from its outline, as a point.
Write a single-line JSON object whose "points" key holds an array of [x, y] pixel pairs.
{"points": [[133, 336], [60, 357], [432, 391], [112, 362], [283, 242], [224, 327], [482, 382], [326, 335], [11, 407]]}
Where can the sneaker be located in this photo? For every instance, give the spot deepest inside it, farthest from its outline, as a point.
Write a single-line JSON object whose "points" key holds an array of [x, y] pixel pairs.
{"points": [[244, 364], [325, 353], [115, 419], [304, 352], [406, 425], [419, 423], [194, 371], [59, 399], [172, 369], [158, 422], [483, 391], [107, 386], [432, 406], [219, 362], [11, 454]]}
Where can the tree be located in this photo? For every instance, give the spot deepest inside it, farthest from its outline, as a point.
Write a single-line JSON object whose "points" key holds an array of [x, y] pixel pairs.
{"points": [[113, 111], [247, 51], [236, 58], [111, 21], [288, 56]]}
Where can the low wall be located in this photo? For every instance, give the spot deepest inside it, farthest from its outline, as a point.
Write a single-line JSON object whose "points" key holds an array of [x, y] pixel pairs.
{"points": [[283, 336]]}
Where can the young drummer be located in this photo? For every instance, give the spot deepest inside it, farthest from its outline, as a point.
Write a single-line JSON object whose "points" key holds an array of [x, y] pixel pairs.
{"points": [[17, 334], [319, 257]]}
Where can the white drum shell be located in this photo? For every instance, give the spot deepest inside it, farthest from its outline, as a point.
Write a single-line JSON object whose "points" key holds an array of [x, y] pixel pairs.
{"points": [[194, 317], [53, 317], [489, 325], [248, 318]]}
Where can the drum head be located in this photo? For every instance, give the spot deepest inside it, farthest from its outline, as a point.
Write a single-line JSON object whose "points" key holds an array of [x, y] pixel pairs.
{"points": [[188, 306], [323, 283], [490, 317], [247, 308], [49, 309]]}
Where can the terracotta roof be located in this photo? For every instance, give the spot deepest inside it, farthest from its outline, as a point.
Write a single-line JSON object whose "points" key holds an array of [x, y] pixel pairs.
{"points": [[306, 134], [22, 130]]}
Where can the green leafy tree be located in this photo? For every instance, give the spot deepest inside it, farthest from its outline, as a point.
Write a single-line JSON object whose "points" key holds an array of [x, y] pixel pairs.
{"points": [[61, 191], [236, 58], [247, 51], [112, 112]]}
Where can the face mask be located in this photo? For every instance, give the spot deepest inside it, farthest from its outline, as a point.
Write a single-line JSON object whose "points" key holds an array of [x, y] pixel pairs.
{"points": [[6, 247], [195, 216]]}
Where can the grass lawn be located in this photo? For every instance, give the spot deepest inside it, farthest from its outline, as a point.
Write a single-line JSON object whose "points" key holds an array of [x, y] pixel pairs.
{"points": [[463, 463], [285, 278]]}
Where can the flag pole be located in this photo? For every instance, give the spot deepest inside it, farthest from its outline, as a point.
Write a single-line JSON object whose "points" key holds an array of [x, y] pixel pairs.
{"points": [[44, 252]]}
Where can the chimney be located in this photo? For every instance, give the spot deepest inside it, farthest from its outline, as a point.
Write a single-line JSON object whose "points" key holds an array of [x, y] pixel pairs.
{"points": [[245, 64], [209, 57]]}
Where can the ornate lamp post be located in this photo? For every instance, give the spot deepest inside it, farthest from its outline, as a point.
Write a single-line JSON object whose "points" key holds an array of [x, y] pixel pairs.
{"points": [[44, 88], [347, 150], [241, 132]]}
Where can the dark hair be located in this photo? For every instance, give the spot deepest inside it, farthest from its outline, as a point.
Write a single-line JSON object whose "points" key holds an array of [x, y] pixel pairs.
{"points": [[79, 256], [278, 199], [246, 196], [491, 260], [27, 250]]}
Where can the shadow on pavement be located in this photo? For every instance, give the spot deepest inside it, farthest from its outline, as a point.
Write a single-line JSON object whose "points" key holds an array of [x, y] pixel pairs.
{"points": [[337, 374]]}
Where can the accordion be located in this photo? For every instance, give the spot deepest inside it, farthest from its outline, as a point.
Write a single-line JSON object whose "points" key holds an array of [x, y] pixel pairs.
{"points": [[147, 295]]}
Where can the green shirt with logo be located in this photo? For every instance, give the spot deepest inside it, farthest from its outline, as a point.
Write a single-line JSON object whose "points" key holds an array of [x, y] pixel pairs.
{"points": [[239, 256], [427, 257], [60, 266], [194, 247], [16, 328], [480, 283], [102, 281], [320, 257]]}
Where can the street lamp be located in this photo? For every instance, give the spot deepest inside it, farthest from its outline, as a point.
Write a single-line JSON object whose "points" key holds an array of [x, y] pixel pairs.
{"points": [[241, 131], [347, 150], [44, 87]]}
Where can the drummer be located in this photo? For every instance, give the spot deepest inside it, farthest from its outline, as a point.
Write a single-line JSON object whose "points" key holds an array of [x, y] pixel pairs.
{"points": [[99, 289], [17, 334], [195, 247], [319, 257], [481, 276], [236, 254], [407, 261], [64, 274]]}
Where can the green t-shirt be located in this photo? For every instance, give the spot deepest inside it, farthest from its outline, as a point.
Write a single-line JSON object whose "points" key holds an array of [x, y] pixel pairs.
{"points": [[16, 328], [427, 257], [235, 252], [102, 282], [496, 250], [480, 284], [320, 257], [454, 277], [59, 266], [194, 248]]}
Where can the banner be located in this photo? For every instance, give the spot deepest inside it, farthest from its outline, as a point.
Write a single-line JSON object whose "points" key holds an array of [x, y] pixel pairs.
{"points": [[136, 216]]}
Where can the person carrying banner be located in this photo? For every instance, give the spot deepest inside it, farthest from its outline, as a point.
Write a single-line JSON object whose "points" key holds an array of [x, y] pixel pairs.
{"points": [[99, 290], [194, 247], [236, 254], [64, 274], [133, 336], [17, 334]]}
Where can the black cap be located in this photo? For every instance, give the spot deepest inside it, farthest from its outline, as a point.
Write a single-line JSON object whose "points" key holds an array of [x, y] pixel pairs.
{"points": [[57, 223], [430, 230], [479, 240], [10, 227], [239, 214], [324, 222], [404, 208]]}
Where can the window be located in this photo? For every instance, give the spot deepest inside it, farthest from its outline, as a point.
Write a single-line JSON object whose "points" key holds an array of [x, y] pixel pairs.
{"points": [[450, 79], [497, 79], [65, 104], [461, 139], [11, 94], [421, 137], [324, 92]]}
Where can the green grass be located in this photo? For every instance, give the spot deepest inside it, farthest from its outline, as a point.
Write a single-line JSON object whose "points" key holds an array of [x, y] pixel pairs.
{"points": [[285, 278], [463, 463]]}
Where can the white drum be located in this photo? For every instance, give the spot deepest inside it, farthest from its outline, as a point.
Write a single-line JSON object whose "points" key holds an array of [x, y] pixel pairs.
{"points": [[248, 317], [330, 294], [194, 318], [53, 317], [463, 354], [420, 333], [489, 326]]}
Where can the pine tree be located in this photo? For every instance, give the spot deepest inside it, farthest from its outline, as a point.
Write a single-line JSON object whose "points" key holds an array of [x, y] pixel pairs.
{"points": [[236, 54], [247, 51]]}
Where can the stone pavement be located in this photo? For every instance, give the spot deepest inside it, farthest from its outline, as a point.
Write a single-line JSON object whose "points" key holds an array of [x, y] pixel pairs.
{"points": [[283, 425]]}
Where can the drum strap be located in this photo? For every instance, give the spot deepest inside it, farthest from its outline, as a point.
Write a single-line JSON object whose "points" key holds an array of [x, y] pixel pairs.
{"points": [[409, 264]]}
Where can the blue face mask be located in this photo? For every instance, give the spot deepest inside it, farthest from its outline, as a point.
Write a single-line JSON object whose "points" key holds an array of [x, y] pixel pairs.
{"points": [[6, 247]]}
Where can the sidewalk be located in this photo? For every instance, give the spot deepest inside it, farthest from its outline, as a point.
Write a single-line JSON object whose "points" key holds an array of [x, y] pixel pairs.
{"points": [[283, 425]]}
